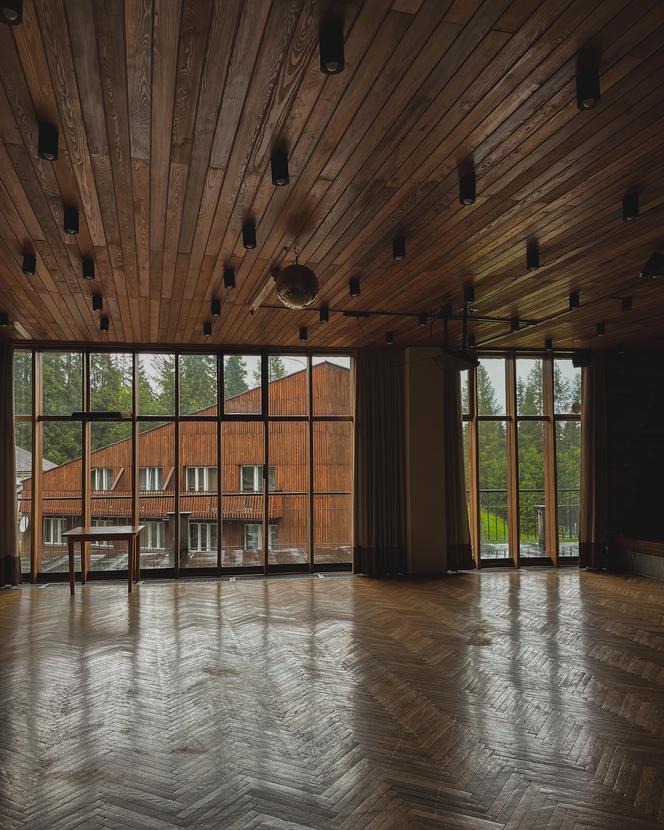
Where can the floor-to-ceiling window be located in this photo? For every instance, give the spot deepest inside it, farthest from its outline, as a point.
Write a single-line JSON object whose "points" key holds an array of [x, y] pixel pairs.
{"points": [[522, 446], [229, 461]]}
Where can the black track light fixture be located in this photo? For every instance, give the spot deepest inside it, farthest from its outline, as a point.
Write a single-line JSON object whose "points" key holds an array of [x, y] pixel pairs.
{"points": [[532, 256], [471, 341], [103, 323], [249, 235], [515, 324], [467, 189], [215, 308], [47, 142], [468, 294], [399, 248], [587, 87], [4, 319], [324, 314], [389, 338], [29, 264], [70, 220], [207, 329], [574, 299], [626, 304], [279, 165], [601, 329], [11, 12], [229, 277], [354, 286], [304, 334], [630, 207], [548, 344], [422, 319], [88, 268], [97, 302], [620, 348], [331, 46]]}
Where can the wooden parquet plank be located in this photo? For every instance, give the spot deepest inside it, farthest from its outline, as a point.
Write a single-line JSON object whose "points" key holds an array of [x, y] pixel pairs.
{"points": [[487, 701]]}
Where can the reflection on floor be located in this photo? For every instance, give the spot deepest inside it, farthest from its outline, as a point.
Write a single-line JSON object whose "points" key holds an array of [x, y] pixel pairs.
{"points": [[528, 699]]}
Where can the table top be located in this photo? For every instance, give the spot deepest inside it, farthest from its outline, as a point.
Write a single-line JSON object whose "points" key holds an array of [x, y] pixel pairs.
{"points": [[104, 533]]}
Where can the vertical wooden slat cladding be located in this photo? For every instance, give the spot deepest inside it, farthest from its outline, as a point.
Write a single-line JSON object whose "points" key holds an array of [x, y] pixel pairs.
{"points": [[168, 113]]}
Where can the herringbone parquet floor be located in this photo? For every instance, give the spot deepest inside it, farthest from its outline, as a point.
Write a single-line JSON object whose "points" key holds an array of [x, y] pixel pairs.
{"points": [[495, 700]]}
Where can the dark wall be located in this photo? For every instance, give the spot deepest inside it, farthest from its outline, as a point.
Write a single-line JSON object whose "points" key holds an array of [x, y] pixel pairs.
{"points": [[635, 393]]}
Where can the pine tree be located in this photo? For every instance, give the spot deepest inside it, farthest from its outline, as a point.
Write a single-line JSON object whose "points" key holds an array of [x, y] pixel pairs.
{"points": [[235, 376]]}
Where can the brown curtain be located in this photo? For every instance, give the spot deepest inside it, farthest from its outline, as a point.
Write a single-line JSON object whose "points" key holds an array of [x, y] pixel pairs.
{"points": [[380, 469], [593, 533], [10, 565], [457, 529]]}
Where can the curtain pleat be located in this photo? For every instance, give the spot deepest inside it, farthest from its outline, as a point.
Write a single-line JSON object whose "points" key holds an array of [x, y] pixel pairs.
{"points": [[10, 565], [380, 469], [593, 518], [457, 528]]}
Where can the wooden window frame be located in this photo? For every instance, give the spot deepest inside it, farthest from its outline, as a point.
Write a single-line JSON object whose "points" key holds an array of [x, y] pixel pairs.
{"points": [[37, 419], [549, 418]]}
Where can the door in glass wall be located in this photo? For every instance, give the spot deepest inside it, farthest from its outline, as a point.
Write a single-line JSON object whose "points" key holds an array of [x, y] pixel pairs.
{"points": [[568, 467], [532, 511], [493, 501]]}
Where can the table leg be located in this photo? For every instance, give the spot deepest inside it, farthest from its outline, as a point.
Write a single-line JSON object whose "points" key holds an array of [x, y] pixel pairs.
{"points": [[137, 560], [70, 546], [130, 563]]}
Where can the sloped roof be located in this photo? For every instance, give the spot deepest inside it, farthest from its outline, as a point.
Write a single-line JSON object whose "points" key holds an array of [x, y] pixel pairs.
{"points": [[24, 461]]}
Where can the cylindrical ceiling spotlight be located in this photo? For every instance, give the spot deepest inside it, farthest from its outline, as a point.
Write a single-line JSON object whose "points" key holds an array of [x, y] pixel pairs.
{"points": [[468, 294], [249, 235], [467, 189], [324, 314], [207, 328], [29, 264], [389, 338], [626, 304], [422, 319], [354, 286], [279, 165], [4, 319], [303, 333], [399, 248], [574, 299], [229, 277], [630, 207], [215, 308], [532, 256], [548, 344], [70, 220], [97, 302], [11, 12], [47, 143], [331, 45], [104, 323], [515, 324], [601, 329], [88, 268], [587, 88]]}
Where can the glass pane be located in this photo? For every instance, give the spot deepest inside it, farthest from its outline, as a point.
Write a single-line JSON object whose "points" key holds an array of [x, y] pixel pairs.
{"points": [[333, 457], [466, 462], [532, 518], [331, 382], [156, 384], [199, 504], [63, 383], [288, 505], [242, 445], [110, 494], [287, 385], [61, 492], [23, 450], [198, 384], [491, 386], [156, 508], [22, 383], [333, 529], [111, 382], [568, 467], [530, 387], [242, 384], [465, 392], [566, 388], [494, 538]]}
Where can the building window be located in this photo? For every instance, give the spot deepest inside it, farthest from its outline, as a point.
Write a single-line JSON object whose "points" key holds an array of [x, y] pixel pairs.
{"points": [[201, 479], [251, 478], [53, 530], [150, 479], [203, 536], [102, 478], [102, 523], [253, 536], [152, 537]]}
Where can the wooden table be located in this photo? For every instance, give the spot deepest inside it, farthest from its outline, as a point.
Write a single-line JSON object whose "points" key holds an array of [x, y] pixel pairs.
{"points": [[122, 533]]}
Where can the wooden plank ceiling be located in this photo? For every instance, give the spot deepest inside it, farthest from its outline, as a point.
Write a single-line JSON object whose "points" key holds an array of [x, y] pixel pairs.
{"points": [[168, 112]]}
